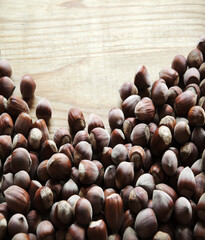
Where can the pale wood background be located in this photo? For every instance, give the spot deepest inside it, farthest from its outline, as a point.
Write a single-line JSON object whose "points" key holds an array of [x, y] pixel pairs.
{"points": [[81, 51]]}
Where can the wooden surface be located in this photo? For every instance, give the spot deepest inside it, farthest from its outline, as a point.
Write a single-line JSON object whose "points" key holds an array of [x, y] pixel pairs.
{"points": [[81, 51]]}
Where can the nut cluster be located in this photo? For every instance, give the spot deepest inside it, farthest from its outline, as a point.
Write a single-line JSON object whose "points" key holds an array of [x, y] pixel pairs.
{"points": [[143, 180]]}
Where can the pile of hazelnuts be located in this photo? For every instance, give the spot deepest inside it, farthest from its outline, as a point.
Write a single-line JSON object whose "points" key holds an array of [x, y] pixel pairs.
{"points": [[145, 179]]}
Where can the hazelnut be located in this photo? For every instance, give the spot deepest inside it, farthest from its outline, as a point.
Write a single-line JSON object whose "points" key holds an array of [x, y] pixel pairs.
{"points": [[6, 124], [168, 121], [33, 218], [35, 138], [7, 181], [3, 226], [17, 199], [128, 126], [114, 211], [188, 154], [23, 124], [48, 149], [130, 233], [138, 199], [61, 137], [182, 132], [184, 102], [19, 141], [146, 181], [4, 210], [201, 207], [128, 221], [76, 120], [7, 86], [55, 187], [173, 92], [20, 160], [42, 171], [44, 110], [16, 105], [21, 236], [109, 176], [3, 103], [83, 211], [35, 163], [142, 79], [81, 136], [179, 64], [88, 172], [5, 68], [140, 135], [201, 102], [99, 138], [201, 44], [166, 110], [161, 140], [127, 89], [101, 172], [22, 179], [59, 166], [170, 76], [82, 151], [124, 174], [45, 230], [7, 165], [75, 231], [186, 184], [137, 156], [169, 162], [97, 230], [148, 159], [34, 186], [94, 121], [27, 86], [116, 118], [158, 173], [159, 92], [41, 125], [119, 154], [145, 110], [17, 224], [161, 236], [195, 58], [199, 230], [191, 75], [69, 188], [202, 71], [128, 105], [105, 157], [124, 193], [146, 223], [182, 211], [43, 199], [114, 236], [194, 88], [117, 137], [197, 167], [196, 116], [167, 189], [68, 150]]}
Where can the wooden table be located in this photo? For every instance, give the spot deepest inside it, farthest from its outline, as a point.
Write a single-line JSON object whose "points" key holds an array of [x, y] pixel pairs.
{"points": [[81, 51]]}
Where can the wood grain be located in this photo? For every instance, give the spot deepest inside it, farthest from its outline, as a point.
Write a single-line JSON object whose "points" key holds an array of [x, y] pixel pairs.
{"points": [[81, 51]]}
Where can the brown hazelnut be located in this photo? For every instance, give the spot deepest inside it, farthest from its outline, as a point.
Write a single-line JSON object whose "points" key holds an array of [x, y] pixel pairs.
{"points": [[7, 165], [179, 64], [159, 92], [43, 199], [169, 162], [128, 105], [88, 172], [61, 137], [168, 121], [124, 193], [45, 230], [16, 105], [199, 230], [5, 68], [101, 172], [99, 138], [59, 166], [138, 199], [97, 230], [17, 199], [33, 218], [34, 186], [148, 159], [76, 120], [117, 137], [20, 160], [7, 181], [114, 212], [114, 236], [146, 181], [196, 116], [81, 135], [202, 71], [195, 58], [191, 75], [22, 179], [94, 121], [157, 172], [194, 88], [188, 154], [127, 89], [128, 221], [75, 231], [130, 233], [3, 226], [166, 110], [201, 207], [41, 125], [128, 126], [44, 110], [182, 132], [186, 184], [161, 236], [35, 138], [55, 187], [173, 92], [68, 150], [170, 76], [21, 236], [119, 154], [167, 189], [7, 86], [142, 79], [182, 211], [105, 157], [116, 118], [161, 140], [27, 86], [3, 103], [197, 167], [201, 44], [109, 177], [23, 124], [83, 211], [137, 155], [19, 141], [48, 149], [140, 135], [124, 174], [17, 224], [82, 151], [146, 223], [145, 110], [6, 124], [42, 171]]}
